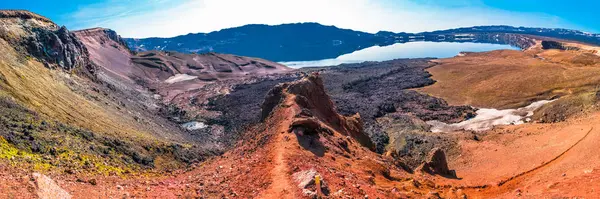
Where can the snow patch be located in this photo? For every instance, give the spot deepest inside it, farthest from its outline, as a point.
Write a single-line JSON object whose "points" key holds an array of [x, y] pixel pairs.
{"points": [[194, 125], [488, 118], [180, 78]]}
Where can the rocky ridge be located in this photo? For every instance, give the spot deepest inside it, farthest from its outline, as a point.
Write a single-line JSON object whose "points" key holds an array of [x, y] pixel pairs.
{"points": [[41, 38], [303, 136]]}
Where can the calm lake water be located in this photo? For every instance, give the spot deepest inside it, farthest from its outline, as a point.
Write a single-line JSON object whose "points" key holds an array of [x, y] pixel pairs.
{"points": [[418, 49]]}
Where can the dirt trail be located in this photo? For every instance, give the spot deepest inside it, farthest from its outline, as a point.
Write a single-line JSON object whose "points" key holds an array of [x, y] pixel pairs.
{"points": [[516, 177], [514, 180], [280, 186]]}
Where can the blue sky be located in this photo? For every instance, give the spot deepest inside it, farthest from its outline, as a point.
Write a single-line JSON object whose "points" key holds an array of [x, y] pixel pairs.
{"points": [[165, 18]]}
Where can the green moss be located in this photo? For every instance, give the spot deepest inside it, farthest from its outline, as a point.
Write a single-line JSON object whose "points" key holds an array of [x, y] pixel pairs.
{"points": [[93, 164], [36, 142], [6, 150], [67, 159], [108, 169], [22, 158]]}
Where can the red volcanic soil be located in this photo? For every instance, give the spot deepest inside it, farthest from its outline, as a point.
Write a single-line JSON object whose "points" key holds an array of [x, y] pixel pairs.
{"points": [[536, 160], [302, 133]]}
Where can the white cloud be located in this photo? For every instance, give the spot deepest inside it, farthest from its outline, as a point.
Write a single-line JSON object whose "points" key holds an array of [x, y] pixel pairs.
{"points": [[166, 18]]}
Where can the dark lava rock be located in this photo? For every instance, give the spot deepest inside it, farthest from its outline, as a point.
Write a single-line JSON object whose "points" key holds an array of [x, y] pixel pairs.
{"points": [[556, 45], [59, 47], [93, 182], [377, 89], [246, 105]]}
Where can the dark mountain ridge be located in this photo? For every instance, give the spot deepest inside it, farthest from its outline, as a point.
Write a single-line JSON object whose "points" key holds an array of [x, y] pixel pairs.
{"points": [[287, 42], [313, 41]]}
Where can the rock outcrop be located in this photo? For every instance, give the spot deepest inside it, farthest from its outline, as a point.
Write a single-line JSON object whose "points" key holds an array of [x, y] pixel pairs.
{"points": [[306, 182], [547, 44], [437, 164], [39, 37], [318, 111]]}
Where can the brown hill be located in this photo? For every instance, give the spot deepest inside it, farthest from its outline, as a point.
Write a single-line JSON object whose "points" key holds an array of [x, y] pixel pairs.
{"points": [[107, 49], [178, 78], [511, 79]]}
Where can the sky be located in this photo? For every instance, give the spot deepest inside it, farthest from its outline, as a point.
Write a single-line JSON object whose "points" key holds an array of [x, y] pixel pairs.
{"points": [[167, 18]]}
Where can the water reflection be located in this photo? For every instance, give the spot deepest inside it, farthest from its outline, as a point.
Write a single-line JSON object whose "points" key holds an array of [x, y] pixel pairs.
{"points": [[417, 49]]}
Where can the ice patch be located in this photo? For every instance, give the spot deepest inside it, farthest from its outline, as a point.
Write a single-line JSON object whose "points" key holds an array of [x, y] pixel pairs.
{"points": [[488, 118], [180, 78], [194, 126]]}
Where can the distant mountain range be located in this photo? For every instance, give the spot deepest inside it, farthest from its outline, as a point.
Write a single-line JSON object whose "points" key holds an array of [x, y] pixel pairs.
{"points": [[288, 42], [313, 41]]}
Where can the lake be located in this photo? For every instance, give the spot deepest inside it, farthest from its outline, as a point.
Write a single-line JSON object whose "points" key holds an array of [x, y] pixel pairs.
{"points": [[419, 49]]}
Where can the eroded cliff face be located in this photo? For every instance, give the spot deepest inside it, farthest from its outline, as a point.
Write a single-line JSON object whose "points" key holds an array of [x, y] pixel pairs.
{"points": [[41, 38], [548, 44]]}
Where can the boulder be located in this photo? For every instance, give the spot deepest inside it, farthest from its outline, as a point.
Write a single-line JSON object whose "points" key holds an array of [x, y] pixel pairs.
{"points": [[437, 164], [46, 188], [305, 178], [306, 182]]}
